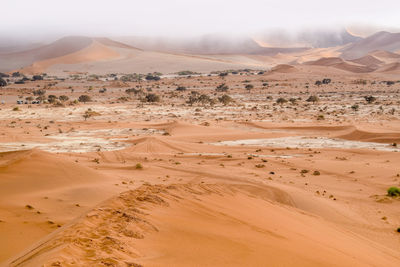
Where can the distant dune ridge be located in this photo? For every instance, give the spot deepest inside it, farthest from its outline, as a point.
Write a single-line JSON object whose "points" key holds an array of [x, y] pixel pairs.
{"points": [[339, 50]]}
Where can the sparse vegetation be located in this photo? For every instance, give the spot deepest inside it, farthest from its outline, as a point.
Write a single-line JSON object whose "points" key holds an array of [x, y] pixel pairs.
{"points": [[370, 99], [312, 98], [393, 191], [2, 82], [222, 88], [152, 98], [225, 100], [138, 166], [84, 98]]}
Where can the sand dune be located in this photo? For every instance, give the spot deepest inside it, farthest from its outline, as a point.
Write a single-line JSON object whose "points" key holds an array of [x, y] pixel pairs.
{"points": [[339, 63], [360, 135], [384, 54], [51, 185], [212, 225], [379, 41], [284, 68], [326, 61], [103, 55], [392, 67], [367, 60], [97, 51], [59, 48]]}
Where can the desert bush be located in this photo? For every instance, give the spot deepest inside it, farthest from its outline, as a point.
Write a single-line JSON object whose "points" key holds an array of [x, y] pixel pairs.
{"points": [[133, 91], [39, 92], [389, 83], [249, 87], [131, 77], [281, 101], [4, 75], [151, 77], [393, 191], [37, 78], [355, 107], [52, 98], [186, 72], [312, 98], [2, 82], [152, 98], [84, 98], [181, 88], [326, 81], [318, 83], [63, 98], [225, 100], [123, 99], [222, 88], [90, 113], [138, 166], [360, 81], [370, 99]]}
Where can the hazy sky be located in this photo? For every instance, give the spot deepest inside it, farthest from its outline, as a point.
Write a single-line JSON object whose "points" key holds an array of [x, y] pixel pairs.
{"points": [[177, 17]]}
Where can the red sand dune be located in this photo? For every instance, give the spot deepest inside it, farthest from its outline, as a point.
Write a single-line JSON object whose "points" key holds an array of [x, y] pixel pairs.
{"points": [[284, 68], [210, 225]]}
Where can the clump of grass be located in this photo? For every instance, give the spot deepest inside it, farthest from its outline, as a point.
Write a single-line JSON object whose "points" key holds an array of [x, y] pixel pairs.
{"points": [[316, 173], [304, 171], [29, 207], [138, 166], [398, 229], [15, 109], [260, 166], [393, 191]]}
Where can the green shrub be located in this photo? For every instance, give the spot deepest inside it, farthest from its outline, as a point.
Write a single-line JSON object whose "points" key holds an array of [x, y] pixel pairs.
{"points": [[84, 98], [138, 166], [393, 191]]}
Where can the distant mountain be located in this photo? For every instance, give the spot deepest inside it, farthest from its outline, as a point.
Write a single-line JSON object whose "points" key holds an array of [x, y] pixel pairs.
{"points": [[203, 54], [311, 38], [61, 47], [385, 41], [207, 45], [324, 39]]}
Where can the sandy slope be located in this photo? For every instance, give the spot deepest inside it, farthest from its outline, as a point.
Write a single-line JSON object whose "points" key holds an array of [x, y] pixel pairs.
{"points": [[95, 52], [209, 225], [52, 186], [213, 209], [59, 48]]}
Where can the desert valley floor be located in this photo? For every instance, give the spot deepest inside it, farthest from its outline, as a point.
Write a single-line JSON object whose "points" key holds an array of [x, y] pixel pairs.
{"points": [[243, 168]]}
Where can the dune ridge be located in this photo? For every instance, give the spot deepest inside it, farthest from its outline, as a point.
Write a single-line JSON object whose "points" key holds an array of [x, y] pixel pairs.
{"points": [[140, 222]]}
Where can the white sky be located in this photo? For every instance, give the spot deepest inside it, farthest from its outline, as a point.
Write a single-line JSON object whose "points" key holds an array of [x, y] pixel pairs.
{"points": [[186, 17]]}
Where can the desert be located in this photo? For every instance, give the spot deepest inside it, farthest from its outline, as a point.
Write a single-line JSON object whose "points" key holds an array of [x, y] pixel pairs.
{"points": [[143, 151]]}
